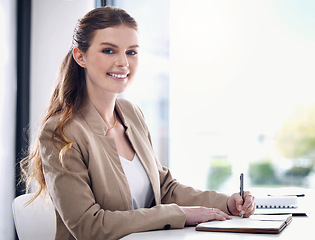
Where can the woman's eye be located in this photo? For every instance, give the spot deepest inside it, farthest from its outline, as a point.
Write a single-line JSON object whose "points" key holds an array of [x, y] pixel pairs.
{"points": [[108, 51], [131, 52]]}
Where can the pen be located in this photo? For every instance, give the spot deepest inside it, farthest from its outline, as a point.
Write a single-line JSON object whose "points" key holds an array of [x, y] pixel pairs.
{"points": [[242, 190]]}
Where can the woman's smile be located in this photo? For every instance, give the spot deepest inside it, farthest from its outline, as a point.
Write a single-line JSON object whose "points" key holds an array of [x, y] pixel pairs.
{"points": [[118, 75]]}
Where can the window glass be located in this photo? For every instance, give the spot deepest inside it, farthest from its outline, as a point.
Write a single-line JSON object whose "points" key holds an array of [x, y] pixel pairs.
{"points": [[241, 93]]}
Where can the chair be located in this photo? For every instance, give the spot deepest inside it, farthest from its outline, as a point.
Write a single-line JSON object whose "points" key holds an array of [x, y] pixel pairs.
{"points": [[36, 221]]}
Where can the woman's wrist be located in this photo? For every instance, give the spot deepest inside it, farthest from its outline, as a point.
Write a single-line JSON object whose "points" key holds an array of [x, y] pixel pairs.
{"points": [[227, 206]]}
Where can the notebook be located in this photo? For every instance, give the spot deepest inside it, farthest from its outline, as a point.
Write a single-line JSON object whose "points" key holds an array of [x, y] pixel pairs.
{"points": [[253, 224], [276, 202], [278, 205]]}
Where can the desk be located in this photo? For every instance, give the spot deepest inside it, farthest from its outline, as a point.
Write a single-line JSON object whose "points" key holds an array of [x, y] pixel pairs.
{"points": [[301, 228]]}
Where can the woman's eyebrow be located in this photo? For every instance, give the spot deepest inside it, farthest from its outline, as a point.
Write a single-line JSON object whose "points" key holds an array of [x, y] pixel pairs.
{"points": [[109, 44], [115, 46], [134, 46]]}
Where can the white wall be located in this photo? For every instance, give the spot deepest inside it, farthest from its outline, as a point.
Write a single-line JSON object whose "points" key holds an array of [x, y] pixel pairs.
{"points": [[53, 22], [7, 115]]}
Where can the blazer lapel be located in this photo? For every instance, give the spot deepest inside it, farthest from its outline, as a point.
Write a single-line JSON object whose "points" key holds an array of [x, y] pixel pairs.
{"points": [[142, 146], [99, 128]]}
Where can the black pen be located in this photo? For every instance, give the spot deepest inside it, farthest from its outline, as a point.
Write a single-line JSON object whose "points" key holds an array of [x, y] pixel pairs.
{"points": [[242, 190]]}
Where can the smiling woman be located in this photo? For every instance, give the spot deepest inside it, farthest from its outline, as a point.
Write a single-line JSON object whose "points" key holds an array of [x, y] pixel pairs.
{"points": [[87, 133]]}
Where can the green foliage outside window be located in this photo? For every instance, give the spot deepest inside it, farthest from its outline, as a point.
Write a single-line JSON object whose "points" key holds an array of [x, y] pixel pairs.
{"points": [[296, 139], [262, 173], [220, 170], [295, 142]]}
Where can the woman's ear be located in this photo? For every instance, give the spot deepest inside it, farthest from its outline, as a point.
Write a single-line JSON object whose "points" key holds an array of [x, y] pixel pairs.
{"points": [[78, 57]]}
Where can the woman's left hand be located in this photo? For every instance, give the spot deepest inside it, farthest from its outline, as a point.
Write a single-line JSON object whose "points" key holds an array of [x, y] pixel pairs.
{"points": [[237, 206]]}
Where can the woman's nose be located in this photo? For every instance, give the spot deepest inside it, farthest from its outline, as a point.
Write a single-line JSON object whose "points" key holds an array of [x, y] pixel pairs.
{"points": [[122, 61]]}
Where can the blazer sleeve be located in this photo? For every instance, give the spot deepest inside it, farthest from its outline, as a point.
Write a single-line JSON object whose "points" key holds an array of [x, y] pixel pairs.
{"points": [[69, 187], [174, 192]]}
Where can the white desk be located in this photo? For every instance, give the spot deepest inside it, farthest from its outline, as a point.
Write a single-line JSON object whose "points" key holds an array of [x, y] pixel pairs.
{"points": [[301, 228]]}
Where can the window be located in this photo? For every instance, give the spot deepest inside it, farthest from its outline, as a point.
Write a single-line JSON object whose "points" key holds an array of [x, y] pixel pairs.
{"points": [[241, 93]]}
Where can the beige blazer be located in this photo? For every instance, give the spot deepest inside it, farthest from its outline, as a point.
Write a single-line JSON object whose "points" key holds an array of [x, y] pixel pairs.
{"points": [[92, 196]]}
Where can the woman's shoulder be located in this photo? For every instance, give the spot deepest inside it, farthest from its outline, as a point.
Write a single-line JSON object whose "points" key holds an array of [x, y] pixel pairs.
{"points": [[53, 122], [128, 107], [125, 103]]}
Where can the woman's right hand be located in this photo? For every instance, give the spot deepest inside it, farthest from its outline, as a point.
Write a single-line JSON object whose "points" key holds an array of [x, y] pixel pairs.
{"points": [[196, 215]]}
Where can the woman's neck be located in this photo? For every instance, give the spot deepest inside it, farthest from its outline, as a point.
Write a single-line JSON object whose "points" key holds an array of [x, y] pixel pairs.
{"points": [[105, 107]]}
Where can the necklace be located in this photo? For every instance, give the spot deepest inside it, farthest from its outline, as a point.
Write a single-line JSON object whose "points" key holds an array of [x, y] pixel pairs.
{"points": [[115, 122]]}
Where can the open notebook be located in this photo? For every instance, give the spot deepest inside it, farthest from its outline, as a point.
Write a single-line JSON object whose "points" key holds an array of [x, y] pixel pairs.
{"points": [[253, 224]]}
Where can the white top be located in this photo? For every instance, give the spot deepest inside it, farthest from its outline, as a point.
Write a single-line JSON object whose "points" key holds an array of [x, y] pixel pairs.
{"points": [[139, 183]]}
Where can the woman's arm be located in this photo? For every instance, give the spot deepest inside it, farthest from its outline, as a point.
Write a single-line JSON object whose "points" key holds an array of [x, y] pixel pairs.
{"points": [[208, 205], [174, 192]]}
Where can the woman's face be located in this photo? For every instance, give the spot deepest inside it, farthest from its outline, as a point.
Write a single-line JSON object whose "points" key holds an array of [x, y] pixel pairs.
{"points": [[111, 61]]}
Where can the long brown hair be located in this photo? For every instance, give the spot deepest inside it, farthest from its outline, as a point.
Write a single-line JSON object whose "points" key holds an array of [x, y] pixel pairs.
{"points": [[70, 89]]}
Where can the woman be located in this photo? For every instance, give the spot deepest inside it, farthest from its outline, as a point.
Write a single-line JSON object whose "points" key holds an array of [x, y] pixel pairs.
{"points": [[93, 153]]}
